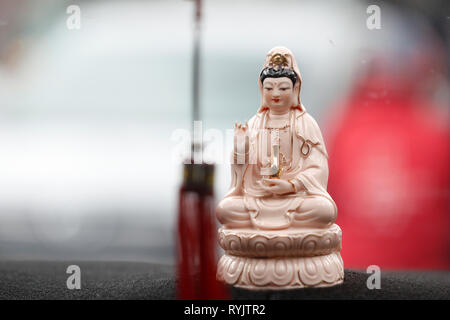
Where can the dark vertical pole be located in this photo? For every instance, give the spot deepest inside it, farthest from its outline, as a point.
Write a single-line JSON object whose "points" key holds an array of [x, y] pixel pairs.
{"points": [[197, 230], [196, 63], [196, 141]]}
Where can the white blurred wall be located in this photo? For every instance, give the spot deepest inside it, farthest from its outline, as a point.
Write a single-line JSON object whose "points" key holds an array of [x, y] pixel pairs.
{"points": [[86, 118]]}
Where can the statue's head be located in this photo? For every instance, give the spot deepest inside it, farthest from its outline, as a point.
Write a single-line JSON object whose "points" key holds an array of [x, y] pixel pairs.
{"points": [[280, 81]]}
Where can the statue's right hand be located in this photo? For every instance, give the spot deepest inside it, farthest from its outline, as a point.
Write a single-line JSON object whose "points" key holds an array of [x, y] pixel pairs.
{"points": [[241, 143]]}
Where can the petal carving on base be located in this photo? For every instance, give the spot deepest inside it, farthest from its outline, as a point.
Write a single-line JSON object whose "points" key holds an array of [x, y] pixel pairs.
{"points": [[281, 273], [266, 244]]}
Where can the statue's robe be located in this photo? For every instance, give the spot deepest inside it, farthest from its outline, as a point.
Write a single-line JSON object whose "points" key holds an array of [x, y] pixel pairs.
{"points": [[309, 164]]}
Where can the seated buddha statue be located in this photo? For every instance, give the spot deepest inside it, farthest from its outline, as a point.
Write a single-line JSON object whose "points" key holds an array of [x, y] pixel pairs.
{"points": [[278, 218], [282, 181]]}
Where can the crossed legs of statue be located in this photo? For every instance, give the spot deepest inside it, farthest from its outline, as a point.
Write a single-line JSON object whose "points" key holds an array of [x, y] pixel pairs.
{"points": [[314, 212], [231, 213]]}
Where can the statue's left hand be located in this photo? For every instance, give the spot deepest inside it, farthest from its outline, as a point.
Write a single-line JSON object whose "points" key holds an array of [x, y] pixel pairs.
{"points": [[277, 186]]}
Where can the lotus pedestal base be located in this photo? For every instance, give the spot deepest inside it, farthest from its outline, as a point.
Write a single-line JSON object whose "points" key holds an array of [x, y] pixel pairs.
{"points": [[284, 259]]}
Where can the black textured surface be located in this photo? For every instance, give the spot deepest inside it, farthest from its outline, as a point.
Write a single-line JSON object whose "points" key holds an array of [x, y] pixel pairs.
{"points": [[130, 280]]}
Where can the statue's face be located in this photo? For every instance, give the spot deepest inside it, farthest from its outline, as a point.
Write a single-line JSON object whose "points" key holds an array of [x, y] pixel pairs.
{"points": [[278, 93]]}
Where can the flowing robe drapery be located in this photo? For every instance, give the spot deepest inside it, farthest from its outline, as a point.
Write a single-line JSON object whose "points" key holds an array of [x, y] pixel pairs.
{"points": [[309, 164]]}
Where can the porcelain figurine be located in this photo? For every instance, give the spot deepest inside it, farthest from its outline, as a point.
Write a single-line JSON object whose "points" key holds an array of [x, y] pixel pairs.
{"points": [[278, 218]]}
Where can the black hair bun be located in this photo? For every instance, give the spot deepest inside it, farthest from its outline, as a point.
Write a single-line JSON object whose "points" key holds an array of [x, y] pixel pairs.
{"points": [[271, 72]]}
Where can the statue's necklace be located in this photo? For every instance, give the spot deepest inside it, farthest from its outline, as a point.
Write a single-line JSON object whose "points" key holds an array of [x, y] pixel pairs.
{"points": [[279, 128], [278, 123]]}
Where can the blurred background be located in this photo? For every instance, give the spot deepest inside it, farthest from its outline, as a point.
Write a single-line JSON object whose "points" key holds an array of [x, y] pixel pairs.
{"points": [[88, 120]]}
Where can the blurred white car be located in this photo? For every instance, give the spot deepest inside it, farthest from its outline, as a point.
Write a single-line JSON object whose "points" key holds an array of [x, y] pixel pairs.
{"points": [[87, 167]]}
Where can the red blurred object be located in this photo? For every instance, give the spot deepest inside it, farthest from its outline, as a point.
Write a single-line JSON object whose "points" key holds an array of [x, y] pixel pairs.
{"points": [[197, 236], [389, 174]]}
